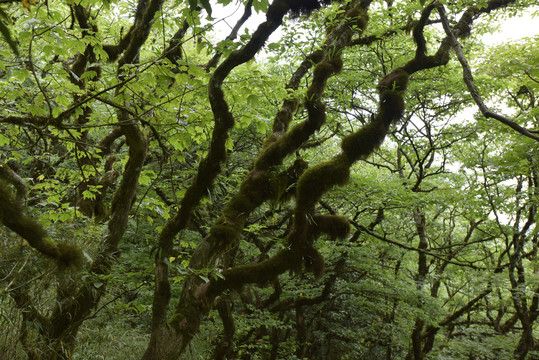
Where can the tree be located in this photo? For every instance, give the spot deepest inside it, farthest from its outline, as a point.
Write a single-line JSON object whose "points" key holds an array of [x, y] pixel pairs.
{"points": [[120, 115]]}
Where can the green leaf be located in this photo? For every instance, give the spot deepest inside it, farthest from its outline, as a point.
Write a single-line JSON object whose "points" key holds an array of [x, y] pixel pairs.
{"points": [[3, 140], [37, 110], [56, 111], [146, 177], [206, 5], [62, 100], [20, 75], [252, 100], [88, 195]]}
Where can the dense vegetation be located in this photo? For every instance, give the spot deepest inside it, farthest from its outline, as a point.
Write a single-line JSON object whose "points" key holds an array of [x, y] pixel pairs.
{"points": [[304, 179]]}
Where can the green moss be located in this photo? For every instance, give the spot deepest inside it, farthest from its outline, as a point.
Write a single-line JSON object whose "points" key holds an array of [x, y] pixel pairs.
{"points": [[255, 189], [358, 17], [316, 56], [260, 273], [275, 152], [324, 70], [362, 20], [13, 217], [283, 183], [336, 62], [317, 113]]}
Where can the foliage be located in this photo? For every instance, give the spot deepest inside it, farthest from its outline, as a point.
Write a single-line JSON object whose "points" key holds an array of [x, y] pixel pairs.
{"points": [[316, 186]]}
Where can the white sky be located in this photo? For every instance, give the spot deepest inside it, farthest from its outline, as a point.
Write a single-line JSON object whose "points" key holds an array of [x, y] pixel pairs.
{"points": [[515, 28], [510, 29]]}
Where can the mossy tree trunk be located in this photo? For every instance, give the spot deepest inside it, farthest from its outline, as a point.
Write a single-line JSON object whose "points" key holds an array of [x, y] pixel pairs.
{"points": [[173, 328], [76, 299], [171, 335]]}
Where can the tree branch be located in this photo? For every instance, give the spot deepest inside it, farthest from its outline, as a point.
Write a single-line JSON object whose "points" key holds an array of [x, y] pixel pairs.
{"points": [[468, 79]]}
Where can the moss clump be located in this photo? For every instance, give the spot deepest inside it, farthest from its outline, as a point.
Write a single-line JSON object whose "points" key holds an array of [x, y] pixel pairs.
{"points": [[397, 80], [224, 233], [337, 63], [69, 255], [357, 17], [360, 144], [316, 56], [324, 70], [314, 261], [362, 20], [320, 178], [337, 227], [391, 106]]}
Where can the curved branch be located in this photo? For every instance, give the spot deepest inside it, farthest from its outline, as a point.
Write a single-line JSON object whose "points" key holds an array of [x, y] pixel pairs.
{"points": [[13, 217], [208, 170], [468, 79], [18, 183], [233, 34]]}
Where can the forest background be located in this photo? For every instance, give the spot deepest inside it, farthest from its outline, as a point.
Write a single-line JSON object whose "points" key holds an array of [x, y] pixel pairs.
{"points": [[360, 185]]}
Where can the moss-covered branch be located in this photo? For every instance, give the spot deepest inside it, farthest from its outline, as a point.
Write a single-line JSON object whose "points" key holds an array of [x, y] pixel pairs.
{"points": [[208, 170], [13, 216], [277, 147], [329, 62], [141, 31], [469, 81], [9, 175], [316, 181]]}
